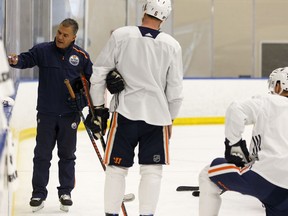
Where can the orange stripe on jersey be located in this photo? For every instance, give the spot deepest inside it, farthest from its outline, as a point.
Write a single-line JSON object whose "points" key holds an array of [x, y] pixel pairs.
{"points": [[227, 168], [111, 138], [166, 144], [222, 185], [211, 170], [80, 51], [244, 169]]}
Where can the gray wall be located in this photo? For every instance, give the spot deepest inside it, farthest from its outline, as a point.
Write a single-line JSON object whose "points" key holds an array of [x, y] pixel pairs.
{"points": [[219, 38], [223, 38]]}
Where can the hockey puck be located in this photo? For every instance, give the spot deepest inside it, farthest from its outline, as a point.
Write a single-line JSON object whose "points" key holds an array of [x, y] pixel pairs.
{"points": [[196, 193]]}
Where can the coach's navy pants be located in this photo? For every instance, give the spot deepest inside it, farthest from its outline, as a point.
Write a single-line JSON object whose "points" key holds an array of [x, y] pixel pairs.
{"points": [[52, 130]]}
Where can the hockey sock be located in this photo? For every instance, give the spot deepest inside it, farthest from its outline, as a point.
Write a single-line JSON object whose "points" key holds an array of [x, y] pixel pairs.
{"points": [[209, 195], [149, 188], [114, 188]]}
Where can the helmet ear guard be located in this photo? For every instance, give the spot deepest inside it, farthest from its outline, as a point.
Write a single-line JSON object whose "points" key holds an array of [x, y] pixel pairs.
{"points": [[160, 9], [279, 75]]}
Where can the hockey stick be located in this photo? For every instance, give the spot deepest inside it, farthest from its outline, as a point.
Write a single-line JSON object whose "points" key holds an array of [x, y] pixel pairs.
{"points": [[128, 197], [90, 104], [187, 188], [91, 108], [195, 190], [72, 94]]}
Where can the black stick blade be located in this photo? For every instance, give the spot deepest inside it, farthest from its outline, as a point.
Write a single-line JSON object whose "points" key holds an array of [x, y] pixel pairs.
{"points": [[187, 188]]}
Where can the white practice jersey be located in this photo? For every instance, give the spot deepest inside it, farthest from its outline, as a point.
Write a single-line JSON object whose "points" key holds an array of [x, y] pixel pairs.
{"points": [[151, 65], [269, 143]]}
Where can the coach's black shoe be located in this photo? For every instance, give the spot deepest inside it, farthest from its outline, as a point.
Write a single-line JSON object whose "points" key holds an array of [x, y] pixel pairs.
{"points": [[36, 204], [65, 202]]}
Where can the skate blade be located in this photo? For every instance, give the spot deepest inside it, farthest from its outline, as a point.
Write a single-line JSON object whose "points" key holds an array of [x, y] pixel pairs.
{"points": [[37, 208], [128, 197], [64, 208]]}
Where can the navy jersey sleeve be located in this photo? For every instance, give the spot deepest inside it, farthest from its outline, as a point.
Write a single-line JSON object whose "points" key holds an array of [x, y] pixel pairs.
{"points": [[27, 59]]}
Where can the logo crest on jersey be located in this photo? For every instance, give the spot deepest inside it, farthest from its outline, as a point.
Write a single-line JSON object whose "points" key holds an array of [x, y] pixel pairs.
{"points": [[74, 125], [74, 60], [156, 158]]}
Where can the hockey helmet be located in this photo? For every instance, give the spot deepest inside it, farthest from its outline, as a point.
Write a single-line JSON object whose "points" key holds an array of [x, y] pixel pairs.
{"points": [[278, 75], [158, 8]]}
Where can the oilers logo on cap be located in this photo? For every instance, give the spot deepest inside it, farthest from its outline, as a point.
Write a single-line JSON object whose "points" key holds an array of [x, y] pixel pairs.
{"points": [[74, 60]]}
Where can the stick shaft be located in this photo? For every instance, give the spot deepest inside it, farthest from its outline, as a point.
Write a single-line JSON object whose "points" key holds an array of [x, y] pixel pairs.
{"points": [[72, 94], [91, 107]]}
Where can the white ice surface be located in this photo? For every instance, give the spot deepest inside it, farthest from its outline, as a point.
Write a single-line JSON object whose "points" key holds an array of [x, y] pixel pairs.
{"points": [[191, 148]]}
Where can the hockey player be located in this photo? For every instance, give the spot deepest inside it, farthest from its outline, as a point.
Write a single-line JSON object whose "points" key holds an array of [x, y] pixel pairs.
{"points": [[7, 152], [6, 87], [263, 173], [150, 62], [57, 117]]}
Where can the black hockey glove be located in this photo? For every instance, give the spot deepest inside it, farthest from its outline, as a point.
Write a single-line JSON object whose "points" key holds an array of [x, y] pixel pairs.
{"points": [[114, 82], [237, 154], [80, 100], [98, 125], [77, 85]]}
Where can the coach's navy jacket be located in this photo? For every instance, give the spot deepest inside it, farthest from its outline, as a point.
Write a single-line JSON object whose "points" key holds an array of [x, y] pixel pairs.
{"points": [[55, 65]]}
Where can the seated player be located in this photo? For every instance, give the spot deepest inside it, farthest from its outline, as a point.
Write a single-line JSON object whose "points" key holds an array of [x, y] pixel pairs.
{"points": [[263, 172]]}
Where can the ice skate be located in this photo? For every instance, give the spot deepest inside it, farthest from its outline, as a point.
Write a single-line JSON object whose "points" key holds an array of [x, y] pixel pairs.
{"points": [[36, 204], [65, 202]]}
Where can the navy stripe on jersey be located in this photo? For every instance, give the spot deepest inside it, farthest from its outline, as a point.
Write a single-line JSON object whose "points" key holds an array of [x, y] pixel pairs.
{"points": [[148, 32]]}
